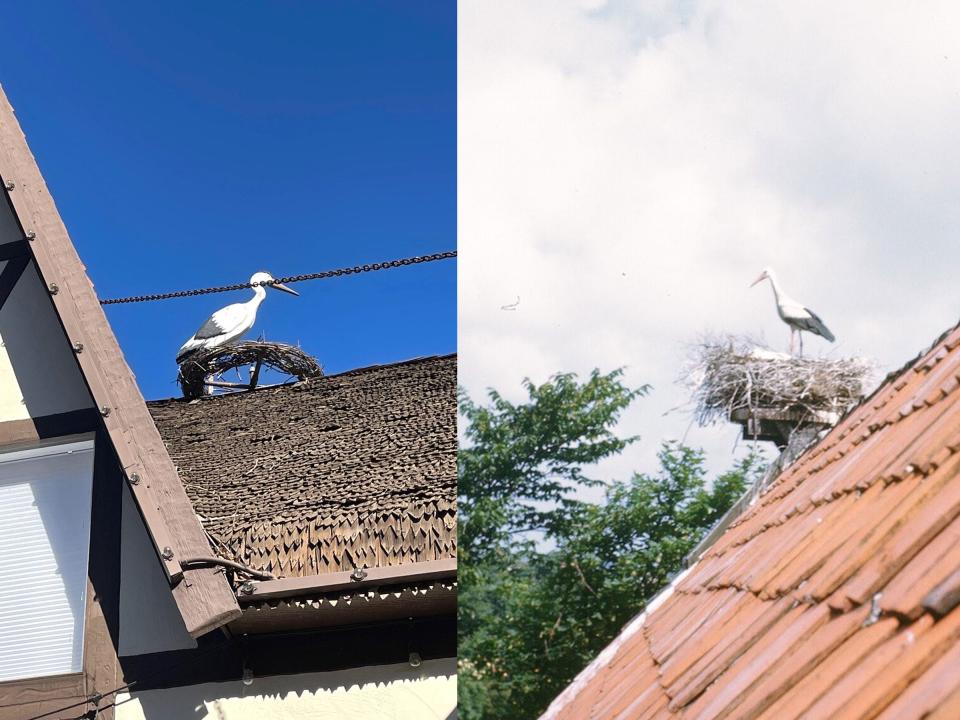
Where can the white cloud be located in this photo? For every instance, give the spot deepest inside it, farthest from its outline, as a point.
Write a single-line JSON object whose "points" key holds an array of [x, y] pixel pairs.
{"points": [[627, 168]]}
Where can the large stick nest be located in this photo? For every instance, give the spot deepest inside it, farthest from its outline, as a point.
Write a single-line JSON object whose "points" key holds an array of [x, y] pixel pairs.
{"points": [[730, 373], [206, 365]]}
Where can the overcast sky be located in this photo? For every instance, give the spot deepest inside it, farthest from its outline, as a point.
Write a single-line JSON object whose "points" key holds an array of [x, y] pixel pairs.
{"points": [[626, 169]]}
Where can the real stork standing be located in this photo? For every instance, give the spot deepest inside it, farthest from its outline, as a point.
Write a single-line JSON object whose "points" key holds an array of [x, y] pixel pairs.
{"points": [[797, 316]]}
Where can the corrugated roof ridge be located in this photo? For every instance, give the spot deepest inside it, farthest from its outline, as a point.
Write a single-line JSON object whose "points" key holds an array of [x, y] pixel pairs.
{"points": [[888, 380], [309, 381], [832, 439], [768, 497]]}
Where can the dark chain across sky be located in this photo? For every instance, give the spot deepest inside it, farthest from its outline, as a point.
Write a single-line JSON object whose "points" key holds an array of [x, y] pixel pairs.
{"points": [[402, 262]]}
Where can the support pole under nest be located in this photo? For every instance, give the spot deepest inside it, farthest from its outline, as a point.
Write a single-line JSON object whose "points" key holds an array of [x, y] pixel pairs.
{"points": [[255, 375]]}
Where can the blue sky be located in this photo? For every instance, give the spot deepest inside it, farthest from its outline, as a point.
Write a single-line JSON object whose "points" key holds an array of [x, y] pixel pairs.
{"points": [[191, 144]]}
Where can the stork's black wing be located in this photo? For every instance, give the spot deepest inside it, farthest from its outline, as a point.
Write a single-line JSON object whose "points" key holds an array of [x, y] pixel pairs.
{"points": [[815, 325], [222, 321], [211, 328]]}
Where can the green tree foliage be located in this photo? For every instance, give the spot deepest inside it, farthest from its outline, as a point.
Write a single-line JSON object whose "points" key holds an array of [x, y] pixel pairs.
{"points": [[547, 580], [523, 462]]}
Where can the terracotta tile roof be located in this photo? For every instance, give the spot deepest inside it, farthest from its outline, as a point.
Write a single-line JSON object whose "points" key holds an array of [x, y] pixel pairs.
{"points": [[348, 470], [833, 596]]}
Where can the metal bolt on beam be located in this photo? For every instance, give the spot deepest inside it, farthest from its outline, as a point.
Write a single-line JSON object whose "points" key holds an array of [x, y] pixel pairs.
{"points": [[358, 574], [78, 347], [167, 553], [135, 478], [31, 235], [247, 588], [104, 410], [9, 185], [54, 288]]}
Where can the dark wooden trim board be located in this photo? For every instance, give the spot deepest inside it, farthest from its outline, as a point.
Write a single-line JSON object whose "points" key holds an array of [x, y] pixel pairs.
{"points": [[330, 582], [384, 604], [221, 659], [204, 597], [101, 668]]}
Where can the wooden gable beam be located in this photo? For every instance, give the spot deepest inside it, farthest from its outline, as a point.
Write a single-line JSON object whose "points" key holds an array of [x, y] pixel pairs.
{"points": [[203, 595]]}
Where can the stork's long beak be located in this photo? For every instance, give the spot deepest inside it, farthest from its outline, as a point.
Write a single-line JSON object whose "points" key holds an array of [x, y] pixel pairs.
{"points": [[279, 286], [762, 277]]}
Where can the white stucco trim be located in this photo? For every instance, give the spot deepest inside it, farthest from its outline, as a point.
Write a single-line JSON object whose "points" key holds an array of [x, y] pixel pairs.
{"points": [[387, 692]]}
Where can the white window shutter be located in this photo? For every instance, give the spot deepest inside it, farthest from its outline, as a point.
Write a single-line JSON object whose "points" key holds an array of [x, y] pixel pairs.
{"points": [[45, 498]]}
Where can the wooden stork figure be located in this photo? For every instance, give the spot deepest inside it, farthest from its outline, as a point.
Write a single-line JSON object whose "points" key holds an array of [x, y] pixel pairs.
{"points": [[798, 317], [229, 324]]}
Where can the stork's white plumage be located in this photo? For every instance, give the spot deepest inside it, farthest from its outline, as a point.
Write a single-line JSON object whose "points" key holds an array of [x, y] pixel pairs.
{"points": [[229, 324], [798, 317]]}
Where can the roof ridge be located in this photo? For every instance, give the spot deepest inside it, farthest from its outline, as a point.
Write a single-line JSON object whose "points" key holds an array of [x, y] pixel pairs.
{"points": [[818, 447], [354, 371], [891, 376]]}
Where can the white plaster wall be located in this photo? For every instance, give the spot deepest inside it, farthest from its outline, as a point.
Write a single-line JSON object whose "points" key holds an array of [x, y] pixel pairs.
{"points": [[149, 619], [387, 692]]}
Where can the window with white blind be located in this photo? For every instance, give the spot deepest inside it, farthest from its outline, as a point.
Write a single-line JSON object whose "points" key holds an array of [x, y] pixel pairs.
{"points": [[45, 498]]}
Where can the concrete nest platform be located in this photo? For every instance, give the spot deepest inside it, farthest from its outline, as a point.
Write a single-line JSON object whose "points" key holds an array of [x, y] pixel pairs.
{"points": [[203, 372]]}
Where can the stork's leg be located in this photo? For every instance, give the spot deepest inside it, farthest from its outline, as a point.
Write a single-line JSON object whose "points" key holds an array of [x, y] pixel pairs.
{"points": [[792, 331], [800, 333]]}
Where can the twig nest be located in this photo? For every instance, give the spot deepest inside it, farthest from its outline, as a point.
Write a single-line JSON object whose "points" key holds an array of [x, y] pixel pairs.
{"points": [[284, 359], [730, 374]]}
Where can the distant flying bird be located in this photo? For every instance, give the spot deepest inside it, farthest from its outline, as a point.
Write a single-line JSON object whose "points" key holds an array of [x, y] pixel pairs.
{"points": [[230, 323], [798, 317]]}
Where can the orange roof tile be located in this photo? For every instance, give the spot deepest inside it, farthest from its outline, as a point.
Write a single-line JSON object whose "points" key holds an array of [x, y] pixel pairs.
{"points": [[833, 595]]}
